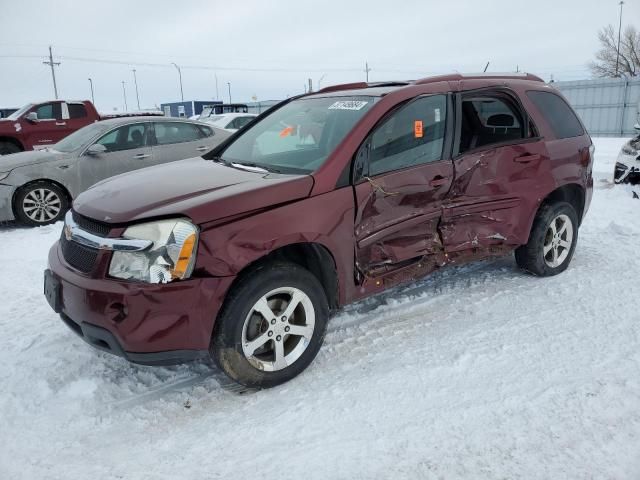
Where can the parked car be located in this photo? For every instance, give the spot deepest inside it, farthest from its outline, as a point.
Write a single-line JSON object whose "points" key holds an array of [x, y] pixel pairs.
{"points": [[220, 108], [242, 255], [38, 187], [627, 169], [231, 122], [38, 125], [5, 112]]}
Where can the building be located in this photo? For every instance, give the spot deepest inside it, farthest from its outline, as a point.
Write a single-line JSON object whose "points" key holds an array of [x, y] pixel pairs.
{"points": [[187, 108]]}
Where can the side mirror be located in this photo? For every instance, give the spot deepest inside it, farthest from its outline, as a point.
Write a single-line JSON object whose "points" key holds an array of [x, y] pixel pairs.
{"points": [[637, 126], [32, 117], [96, 149]]}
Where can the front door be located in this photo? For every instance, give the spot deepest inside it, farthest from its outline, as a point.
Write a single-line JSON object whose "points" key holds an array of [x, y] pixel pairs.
{"points": [[502, 170], [127, 149], [406, 180], [50, 127]]}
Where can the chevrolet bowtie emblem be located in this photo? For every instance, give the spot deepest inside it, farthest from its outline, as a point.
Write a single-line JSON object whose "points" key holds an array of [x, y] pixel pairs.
{"points": [[67, 232]]}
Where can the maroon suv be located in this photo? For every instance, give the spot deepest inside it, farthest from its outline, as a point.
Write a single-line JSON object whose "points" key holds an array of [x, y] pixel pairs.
{"points": [[327, 198]]}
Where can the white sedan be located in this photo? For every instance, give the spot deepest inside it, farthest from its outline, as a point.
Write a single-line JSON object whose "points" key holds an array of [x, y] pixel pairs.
{"points": [[229, 121]]}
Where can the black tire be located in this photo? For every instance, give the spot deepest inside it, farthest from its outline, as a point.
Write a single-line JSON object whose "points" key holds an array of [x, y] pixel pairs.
{"points": [[531, 257], [27, 216], [7, 148], [226, 345]]}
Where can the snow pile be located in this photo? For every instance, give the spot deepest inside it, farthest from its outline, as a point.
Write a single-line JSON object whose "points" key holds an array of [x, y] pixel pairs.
{"points": [[477, 372]]}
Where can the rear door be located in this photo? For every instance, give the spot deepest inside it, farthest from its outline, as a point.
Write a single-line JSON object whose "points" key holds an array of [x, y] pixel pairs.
{"points": [[501, 167], [407, 175], [128, 149], [49, 128], [180, 140], [76, 116]]}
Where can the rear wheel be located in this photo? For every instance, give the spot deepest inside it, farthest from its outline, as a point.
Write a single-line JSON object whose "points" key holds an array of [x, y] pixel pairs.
{"points": [[552, 240], [8, 147], [40, 203], [272, 326]]}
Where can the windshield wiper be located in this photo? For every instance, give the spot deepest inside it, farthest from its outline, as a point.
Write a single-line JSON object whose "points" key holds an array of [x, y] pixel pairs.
{"points": [[250, 167]]}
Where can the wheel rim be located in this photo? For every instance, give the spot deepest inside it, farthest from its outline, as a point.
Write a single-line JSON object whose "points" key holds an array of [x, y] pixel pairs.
{"points": [[557, 241], [278, 329], [41, 205]]}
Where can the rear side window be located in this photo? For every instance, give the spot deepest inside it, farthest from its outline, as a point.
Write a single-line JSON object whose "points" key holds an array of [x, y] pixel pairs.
{"points": [[176, 132], [558, 114], [77, 110], [488, 120]]}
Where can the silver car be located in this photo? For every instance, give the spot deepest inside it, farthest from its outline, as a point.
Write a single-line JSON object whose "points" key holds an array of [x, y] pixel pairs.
{"points": [[37, 187]]}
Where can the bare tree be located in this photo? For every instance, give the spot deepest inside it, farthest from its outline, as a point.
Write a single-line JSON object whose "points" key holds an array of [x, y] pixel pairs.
{"points": [[607, 56]]}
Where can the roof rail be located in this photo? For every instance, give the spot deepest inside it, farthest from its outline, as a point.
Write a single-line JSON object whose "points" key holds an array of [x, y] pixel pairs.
{"points": [[471, 76], [358, 85]]}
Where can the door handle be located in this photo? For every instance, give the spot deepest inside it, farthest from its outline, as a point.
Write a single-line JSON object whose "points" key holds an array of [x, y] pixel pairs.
{"points": [[141, 155], [527, 158], [202, 149], [61, 124], [438, 181]]}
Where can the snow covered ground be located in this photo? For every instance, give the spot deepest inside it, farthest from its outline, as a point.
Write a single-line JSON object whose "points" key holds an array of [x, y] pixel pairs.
{"points": [[477, 372]]}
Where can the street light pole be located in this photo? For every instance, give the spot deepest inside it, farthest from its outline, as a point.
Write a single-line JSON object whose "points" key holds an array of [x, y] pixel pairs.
{"points": [[135, 81], [619, 31], [124, 95], [179, 75], [229, 85], [93, 100]]}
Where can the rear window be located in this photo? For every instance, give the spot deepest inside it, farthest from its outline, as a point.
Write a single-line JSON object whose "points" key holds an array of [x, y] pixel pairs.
{"points": [[558, 114]]}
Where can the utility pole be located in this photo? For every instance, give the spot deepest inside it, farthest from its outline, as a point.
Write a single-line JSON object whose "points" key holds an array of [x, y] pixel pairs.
{"points": [[135, 81], [619, 32], [217, 95], [485, 67], [93, 100], [124, 95], [310, 85], [179, 75], [367, 70], [229, 85], [52, 64]]}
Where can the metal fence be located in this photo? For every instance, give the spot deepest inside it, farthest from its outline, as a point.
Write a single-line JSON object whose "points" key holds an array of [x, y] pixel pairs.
{"points": [[609, 107]]}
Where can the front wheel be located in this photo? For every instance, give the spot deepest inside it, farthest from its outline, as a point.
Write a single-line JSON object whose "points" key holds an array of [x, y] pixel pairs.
{"points": [[272, 325], [40, 203], [552, 240]]}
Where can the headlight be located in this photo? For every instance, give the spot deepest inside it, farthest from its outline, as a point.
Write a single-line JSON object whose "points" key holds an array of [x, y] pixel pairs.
{"points": [[4, 175], [171, 257]]}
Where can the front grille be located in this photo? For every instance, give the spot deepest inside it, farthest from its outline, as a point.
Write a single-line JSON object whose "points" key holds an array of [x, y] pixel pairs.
{"points": [[78, 256], [90, 225]]}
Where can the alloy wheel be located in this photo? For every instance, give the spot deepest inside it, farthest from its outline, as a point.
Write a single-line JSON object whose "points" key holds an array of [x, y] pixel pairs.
{"points": [[557, 241], [41, 205], [278, 329]]}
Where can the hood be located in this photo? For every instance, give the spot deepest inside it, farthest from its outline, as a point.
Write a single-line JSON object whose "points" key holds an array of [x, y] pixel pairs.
{"points": [[32, 157], [199, 189]]}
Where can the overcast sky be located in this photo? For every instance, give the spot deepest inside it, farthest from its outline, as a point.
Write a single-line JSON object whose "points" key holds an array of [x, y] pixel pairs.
{"points": [[268, 49]]}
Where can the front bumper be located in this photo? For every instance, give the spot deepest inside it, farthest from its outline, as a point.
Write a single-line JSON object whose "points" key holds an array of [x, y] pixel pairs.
{"points": [[6, 197], [627, 169], [144, 323]]}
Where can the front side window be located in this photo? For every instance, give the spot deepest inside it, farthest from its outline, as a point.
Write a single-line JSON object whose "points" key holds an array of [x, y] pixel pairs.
{"points": [[299, 136], [176, 132], [558, 114], [126, 137], [49, 111], [488, 120], [80, 138], [411, 136]]}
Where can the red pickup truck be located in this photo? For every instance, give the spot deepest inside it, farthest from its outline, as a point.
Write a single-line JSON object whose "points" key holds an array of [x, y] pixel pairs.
{"points": [[38, 125]]}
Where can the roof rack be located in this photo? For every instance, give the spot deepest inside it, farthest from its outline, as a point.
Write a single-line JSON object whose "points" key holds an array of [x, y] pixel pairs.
{"points": [[357, 85], [471, 76]]}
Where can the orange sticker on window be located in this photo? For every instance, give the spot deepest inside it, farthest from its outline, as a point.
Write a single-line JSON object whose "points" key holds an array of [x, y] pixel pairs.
{"points": [[286, 132], [417, 129]]}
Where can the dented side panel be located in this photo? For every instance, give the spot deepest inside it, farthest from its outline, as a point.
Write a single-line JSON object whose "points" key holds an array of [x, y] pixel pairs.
{"points": [[494, 194]]}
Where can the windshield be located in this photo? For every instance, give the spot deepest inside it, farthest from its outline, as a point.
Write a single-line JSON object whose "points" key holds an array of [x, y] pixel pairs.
{"points": [[298, 137], [80, 138], [18, 113]]}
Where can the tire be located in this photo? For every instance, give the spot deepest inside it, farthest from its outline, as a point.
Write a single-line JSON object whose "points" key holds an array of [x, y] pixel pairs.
{"points": [[246, 345], [548, 253], [7, 148], [40, 203]]}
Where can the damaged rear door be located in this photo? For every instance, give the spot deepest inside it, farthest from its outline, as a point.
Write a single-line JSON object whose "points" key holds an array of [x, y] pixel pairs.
{"points": [[405, 171], [501, 172]]}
